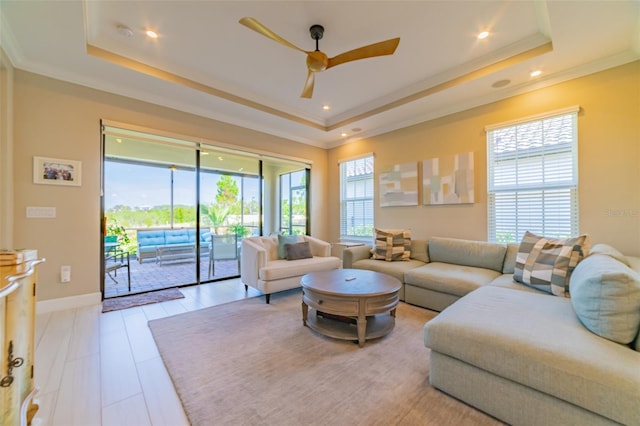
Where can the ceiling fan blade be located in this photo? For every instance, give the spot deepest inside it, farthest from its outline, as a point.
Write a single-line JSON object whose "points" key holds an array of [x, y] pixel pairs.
{"points": [[307, 92], [256, 26], [377, 49]]}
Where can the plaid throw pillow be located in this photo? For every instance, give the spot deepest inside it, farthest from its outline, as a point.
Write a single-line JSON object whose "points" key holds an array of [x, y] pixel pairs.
{"points": [[392, 244], [547, 263]]}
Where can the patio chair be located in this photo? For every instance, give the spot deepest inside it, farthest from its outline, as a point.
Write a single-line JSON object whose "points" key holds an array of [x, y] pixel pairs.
{"points": [[116, 260], [222, 247]]}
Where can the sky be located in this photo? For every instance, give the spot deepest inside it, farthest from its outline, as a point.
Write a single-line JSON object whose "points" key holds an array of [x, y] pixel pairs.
{"points": [[143, 186]]}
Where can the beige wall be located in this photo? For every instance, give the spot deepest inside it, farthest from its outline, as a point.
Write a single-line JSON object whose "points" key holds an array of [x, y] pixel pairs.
{"points": [[608, 159], [6, 151], [61, 120], [58, 119]]}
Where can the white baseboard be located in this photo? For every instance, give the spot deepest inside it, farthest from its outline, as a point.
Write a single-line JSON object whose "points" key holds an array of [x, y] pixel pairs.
{"points": [[72, 302]]}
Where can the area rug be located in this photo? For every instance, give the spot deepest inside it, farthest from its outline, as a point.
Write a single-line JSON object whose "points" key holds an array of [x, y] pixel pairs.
{"points": [[125, 302], [252, 363]]}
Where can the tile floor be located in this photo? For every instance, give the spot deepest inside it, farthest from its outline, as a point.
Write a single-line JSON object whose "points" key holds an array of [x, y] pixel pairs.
{"points": [[105, 369]]}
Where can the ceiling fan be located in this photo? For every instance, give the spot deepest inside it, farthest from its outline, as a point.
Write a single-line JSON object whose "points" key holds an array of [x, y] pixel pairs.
{"points": [[318, 61]]}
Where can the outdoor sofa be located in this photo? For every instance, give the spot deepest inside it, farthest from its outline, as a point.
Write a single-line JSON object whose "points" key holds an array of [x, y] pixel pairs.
{"points": [[522, 355], [149, 240]]}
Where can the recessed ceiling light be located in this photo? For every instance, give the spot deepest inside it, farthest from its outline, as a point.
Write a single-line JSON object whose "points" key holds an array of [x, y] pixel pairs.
{"points": [[118, 140], [483, 34], [343, 134], [326, 107], [220, 158], [535, 73], [151, 34]]}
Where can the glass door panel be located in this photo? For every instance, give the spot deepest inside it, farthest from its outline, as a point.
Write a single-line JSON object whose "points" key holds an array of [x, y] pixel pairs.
{"points": [[229, 208], [150, 214]]}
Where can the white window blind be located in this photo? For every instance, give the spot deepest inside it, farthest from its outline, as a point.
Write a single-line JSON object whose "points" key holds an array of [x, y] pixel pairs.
{"points": [[356, 198], [532, 178]]}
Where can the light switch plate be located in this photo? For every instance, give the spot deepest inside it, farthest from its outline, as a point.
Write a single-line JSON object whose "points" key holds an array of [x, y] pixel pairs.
{"points": [[41, 212]]}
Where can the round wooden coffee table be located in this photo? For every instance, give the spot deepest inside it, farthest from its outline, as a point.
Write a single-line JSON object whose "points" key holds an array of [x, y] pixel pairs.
{"points": [[350, 304]]}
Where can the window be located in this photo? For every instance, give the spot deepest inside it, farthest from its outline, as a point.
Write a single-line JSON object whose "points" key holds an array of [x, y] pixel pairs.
{"points": [[532, 177], [356, 199], [293, 203]]}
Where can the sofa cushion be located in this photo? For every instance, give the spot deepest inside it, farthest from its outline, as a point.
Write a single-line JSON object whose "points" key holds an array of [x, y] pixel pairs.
{"points": [[395, 269], [536, 340], [281, 269], [150, 238], [547, 263], [449, 278], [509, 264], [419, 250], [298, 251], [392, 244], [282, 240], [605, 294], [478, 254], [609, 251], [507, 281]]}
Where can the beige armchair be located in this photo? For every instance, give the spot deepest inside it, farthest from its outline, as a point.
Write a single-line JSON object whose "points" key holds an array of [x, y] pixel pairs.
{"points": [[263, 268]]}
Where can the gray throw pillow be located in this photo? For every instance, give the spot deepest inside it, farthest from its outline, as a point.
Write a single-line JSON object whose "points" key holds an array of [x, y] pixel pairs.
{"points": [[298, 251], [282, 240]]}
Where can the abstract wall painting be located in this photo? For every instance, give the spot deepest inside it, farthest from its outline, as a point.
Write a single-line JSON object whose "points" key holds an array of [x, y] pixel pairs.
{"points": [[448, 180], [399, 185]]}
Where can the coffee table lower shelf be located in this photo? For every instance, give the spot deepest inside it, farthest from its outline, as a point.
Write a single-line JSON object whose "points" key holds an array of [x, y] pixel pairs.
{"points": [[377, 326]]}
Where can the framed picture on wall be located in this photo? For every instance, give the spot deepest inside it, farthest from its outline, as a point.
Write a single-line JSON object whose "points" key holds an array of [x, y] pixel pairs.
{"points": [[55, 171]]}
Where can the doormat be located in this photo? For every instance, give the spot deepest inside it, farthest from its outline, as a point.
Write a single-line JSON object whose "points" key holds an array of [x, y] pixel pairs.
{"points": [[125, 302]]}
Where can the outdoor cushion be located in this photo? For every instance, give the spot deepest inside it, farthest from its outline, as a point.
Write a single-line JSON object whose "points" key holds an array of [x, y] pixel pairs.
{"points": [[177, 236], [146, 238]]}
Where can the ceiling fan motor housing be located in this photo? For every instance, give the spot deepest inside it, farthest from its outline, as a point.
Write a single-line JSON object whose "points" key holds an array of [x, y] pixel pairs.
{"points": [[317, 31]]}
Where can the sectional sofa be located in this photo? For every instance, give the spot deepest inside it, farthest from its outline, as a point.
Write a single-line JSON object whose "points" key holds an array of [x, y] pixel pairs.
{"points": [[517, 353], [442, 270]]}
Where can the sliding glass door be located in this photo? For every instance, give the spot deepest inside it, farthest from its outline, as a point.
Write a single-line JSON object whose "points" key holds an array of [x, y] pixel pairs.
{"points": [[175, 211]]}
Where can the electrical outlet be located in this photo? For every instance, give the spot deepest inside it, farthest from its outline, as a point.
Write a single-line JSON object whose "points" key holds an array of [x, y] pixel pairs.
{"points": [[65, 273]]}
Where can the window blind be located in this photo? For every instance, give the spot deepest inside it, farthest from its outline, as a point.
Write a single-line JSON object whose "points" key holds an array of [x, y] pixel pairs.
{"points": [[532, 178], [356, 198]]}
